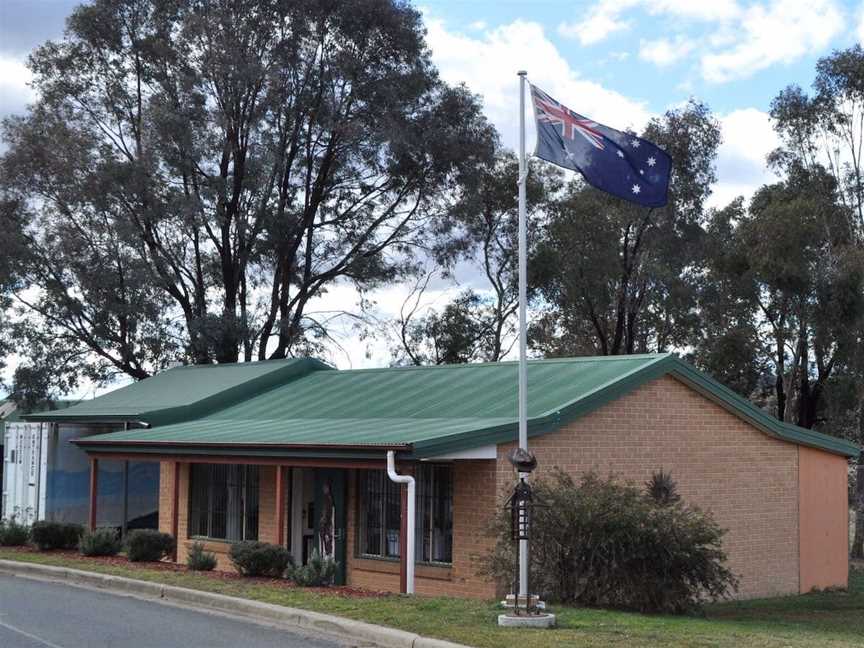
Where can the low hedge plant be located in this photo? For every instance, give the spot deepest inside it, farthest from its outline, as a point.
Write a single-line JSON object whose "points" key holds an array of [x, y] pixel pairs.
{"points": [[101, 542], [252, 558], [13, 534], [148, 545], [198, 559], [48, 535]]}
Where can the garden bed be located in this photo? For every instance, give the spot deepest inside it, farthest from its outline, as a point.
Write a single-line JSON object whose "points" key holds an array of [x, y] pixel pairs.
{"points": [[67, 556]]}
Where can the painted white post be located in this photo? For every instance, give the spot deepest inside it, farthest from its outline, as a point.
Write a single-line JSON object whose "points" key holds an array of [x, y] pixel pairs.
{"points": [[409, 549], [523, 309]]}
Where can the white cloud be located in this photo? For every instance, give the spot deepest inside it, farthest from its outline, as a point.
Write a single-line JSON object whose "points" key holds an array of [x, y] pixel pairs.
{"points": [[664, 51], [610, 16], [747, 139], [739, 38], [779, 32], [487, 63], [594, 29], [861, 27], [603, 19], [699, 10], [15, 94]]}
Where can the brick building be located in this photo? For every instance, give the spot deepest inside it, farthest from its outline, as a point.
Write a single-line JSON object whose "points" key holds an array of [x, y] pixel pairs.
{"points": [[296, 453]]}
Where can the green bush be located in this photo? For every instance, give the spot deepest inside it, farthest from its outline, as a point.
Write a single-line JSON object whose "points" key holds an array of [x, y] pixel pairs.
{"points": [[260, 559], [13, 534], [200, 560], [101, 542], [605, 544], [55, 535], [318, 572], [148, 545]]}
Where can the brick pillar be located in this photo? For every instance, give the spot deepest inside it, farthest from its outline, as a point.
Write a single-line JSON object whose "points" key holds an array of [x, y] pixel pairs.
{"points": [[280, 505]]}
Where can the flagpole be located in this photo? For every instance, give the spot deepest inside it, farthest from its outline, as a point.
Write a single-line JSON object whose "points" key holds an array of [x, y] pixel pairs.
{"points": [[523, 341]]}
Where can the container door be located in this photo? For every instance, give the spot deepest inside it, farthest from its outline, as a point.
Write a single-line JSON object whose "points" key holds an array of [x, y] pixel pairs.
{"points": [[9, 452], [331, 516]]}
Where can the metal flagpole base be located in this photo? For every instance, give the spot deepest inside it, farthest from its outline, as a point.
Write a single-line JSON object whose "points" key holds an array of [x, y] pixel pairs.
{"points": [[532, 602]]}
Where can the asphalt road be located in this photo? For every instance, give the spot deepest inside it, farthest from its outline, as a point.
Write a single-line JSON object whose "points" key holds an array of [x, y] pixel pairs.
{"points": [[42, 614]]}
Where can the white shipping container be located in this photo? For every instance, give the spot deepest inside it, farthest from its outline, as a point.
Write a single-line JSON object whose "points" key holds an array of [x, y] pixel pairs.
{"points": [[25, 471]]}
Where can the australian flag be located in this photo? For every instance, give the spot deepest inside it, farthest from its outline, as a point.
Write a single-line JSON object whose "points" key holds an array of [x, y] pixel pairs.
{"points": [[618, 163]]}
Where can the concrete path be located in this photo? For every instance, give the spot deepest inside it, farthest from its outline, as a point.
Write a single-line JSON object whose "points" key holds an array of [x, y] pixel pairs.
{"points": [[44, 614]]}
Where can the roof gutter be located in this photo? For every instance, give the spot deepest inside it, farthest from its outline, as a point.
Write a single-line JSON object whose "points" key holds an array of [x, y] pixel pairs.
{"points": [[96, 441]]}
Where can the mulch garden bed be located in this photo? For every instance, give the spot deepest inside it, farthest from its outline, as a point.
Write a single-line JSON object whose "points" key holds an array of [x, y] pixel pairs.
{"points": [[121, 561]]}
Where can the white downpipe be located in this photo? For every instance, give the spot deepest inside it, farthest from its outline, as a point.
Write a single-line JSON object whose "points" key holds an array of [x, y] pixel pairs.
{"points": [[409, 550]]}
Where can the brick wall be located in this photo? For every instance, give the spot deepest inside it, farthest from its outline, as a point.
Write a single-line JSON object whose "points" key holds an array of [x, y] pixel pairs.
{"points": [[266, 511], [748, 480], [473, 497]]}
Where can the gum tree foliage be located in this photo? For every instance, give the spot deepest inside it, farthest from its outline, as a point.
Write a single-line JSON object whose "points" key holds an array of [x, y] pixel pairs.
{"points": [[616, 278], [194, 173], [728, 344], [479, 325], [793, 260]]}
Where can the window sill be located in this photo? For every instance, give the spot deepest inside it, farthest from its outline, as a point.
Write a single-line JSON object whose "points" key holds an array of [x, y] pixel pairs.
{"points": [[391, 566]]}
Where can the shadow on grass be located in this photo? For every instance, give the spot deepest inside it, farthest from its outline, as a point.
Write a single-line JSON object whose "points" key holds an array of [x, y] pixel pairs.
{"points": [[840, 613]]}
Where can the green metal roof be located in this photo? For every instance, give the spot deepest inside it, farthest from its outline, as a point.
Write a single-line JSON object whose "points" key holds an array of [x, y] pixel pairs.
{"points": [[429, 411], [184, 393]]}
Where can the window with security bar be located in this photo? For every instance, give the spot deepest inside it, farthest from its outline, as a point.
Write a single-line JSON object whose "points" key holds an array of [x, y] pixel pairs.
{"points": [[379, 515], [223, 502]]}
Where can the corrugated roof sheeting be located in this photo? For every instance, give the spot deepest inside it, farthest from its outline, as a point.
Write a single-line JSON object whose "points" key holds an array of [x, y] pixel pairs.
{"points": [[473, 391], [435, 410], [186, 392]]}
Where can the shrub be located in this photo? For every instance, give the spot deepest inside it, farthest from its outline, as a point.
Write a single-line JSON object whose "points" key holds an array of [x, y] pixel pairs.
{"points": [[13, 534], [55, 535], [101, 542], [605, 544], [318, 572], [200, 560], [148, 545], [260, 559], [662, 489]]}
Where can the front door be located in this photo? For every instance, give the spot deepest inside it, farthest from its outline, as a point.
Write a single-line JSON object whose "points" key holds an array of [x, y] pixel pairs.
{"points": [[331, 516]]}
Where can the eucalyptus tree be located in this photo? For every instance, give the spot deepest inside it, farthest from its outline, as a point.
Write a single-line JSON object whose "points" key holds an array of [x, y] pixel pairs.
{"points": [[480, 322], [729, 342], [194, 173]]}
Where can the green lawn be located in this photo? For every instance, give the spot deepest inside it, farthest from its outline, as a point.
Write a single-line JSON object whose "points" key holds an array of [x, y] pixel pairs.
{"points": [[829, 619]]}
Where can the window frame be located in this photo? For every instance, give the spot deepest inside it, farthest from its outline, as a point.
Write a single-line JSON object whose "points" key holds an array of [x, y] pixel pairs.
{"points": [[246, 490], [425, 475]]}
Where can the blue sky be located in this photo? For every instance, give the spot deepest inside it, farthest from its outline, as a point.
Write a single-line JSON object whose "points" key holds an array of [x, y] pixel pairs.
{"points": [[727, 52], [619, 62]]}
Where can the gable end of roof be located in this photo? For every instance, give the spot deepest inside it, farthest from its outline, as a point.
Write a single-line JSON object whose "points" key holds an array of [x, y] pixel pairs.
{"points": [[667, 364]]}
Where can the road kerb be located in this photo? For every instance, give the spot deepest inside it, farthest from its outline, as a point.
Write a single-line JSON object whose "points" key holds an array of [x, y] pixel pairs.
{"points": [[304, 619]]}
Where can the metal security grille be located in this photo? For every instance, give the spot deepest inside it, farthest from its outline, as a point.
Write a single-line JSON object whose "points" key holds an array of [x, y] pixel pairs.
{"points": [[379, 514], [223, 502], [435, 514]]}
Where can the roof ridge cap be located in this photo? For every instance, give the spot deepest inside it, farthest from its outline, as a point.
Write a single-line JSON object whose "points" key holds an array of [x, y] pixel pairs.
{"points": [[498, 363]]}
